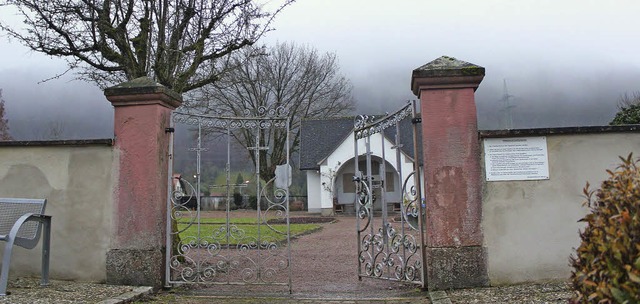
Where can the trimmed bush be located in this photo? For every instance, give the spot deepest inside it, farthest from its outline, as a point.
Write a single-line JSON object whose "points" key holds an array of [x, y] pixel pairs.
{"points": [[253, 202], [237, 199], [606, 265]]}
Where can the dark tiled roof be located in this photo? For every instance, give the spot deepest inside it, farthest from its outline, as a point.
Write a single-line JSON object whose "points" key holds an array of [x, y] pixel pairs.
{"points": [[406, 136], [320, 137]]}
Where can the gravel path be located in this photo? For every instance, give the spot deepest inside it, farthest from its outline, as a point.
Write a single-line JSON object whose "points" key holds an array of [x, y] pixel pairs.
{"points": [[325, 265], [29, 291], [324, 271]]}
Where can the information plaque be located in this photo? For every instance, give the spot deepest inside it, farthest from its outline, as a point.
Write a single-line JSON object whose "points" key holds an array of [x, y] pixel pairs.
{"points": [[516, 158]]}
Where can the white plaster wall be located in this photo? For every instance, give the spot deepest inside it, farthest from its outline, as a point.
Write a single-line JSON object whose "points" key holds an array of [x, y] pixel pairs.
{"points": [[78, 182], [530, 227], [349, 198], [345, 152], [313, 192]]}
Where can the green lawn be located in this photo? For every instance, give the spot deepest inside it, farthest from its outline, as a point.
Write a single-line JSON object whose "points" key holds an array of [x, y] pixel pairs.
{"points": [[240, 220], [247, 231]]}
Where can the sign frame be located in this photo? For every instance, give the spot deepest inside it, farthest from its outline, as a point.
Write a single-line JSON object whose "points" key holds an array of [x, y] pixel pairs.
{"points": [[516, 158]]}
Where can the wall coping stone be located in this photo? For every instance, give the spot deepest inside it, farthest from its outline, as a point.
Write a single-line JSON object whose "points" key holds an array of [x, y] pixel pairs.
{"points": [[558, 131], [142, 90], [446, 73], [64, 142]]}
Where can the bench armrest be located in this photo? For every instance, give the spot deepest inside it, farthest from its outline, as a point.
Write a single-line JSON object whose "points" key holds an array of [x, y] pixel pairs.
{"points": [[28, 243]]}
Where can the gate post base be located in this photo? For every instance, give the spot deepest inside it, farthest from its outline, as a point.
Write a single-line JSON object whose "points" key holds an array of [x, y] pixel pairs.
{"points": [[136, 267], [456, 267]]}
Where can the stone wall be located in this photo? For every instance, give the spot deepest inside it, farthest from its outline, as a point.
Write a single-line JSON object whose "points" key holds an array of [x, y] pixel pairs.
{"points": [[107, 198], [77, 179], [531, 227]]}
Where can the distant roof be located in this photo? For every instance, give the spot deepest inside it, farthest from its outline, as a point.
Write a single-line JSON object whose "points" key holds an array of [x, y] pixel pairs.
{"points": [[320, 137]]}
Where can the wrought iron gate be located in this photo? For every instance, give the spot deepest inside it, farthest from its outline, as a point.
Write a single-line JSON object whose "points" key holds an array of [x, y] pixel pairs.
{"points": [[217, 247], [390, 248]]}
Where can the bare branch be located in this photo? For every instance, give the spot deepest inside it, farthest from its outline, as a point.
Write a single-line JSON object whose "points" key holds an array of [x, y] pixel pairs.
{"points": [[306, 83], [57, 76], [626, 100], [182, 43]]}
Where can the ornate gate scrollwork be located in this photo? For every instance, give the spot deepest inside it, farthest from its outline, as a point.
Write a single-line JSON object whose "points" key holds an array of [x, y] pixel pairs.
{"points": [[219, 249], [389, 247]]}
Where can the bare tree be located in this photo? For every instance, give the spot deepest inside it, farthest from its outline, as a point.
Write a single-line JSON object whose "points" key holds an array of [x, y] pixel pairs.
{"points": [[330, 175], [53, 130], [626, 100], [4, 122], [628, 110], [299, 79], [179, 43]]}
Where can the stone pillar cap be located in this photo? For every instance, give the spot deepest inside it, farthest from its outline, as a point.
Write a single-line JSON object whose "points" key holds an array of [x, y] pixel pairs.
{"points": [[142, 90], [446, 72]]}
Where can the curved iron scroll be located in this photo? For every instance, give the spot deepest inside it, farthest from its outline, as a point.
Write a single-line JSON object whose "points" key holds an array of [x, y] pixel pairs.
{"points": [[391, 251], [365, 125], [216, 248], [389, 245], [262, 118], [226, 253], [410, 200], [364, 201]]}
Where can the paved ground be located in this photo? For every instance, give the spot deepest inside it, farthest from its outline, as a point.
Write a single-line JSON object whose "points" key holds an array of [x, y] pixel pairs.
{"points": [[324, 268], [276, 300], [324, 271]]}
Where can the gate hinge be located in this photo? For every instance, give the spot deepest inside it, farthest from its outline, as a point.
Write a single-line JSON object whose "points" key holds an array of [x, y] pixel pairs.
{"points": [[169, 130], [416, 120]]}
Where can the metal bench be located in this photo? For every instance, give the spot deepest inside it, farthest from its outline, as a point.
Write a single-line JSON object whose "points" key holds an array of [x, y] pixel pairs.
{"points": [[21, 221]]}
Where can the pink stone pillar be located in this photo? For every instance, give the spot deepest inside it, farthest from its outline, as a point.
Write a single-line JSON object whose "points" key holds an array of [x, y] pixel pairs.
{"points": [[453, 180], [142, 113]]}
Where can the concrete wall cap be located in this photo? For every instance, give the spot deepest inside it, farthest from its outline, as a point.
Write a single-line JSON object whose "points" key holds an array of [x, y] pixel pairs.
{"points": [[559, 131], [143, 86], [446, 72], [62, 142]]}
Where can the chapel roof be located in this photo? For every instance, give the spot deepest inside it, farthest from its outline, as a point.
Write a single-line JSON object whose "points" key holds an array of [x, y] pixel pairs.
{"points": [[320, 137]]}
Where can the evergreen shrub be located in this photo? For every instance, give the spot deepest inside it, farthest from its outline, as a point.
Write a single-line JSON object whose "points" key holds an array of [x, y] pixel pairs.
{"points": [[606, 265]]}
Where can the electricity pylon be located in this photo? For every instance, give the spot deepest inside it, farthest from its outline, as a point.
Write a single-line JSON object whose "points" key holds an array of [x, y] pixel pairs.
{"points": [[507, 120]]}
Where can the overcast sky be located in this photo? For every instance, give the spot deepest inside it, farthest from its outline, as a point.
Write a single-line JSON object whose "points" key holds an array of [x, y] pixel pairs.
{"points": [[566, 62], [564, 55]]}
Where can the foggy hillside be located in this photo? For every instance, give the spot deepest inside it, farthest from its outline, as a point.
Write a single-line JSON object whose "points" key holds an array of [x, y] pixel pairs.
{"points": [[67, 109], [539, 99], [57, 109], [70, 109]]}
